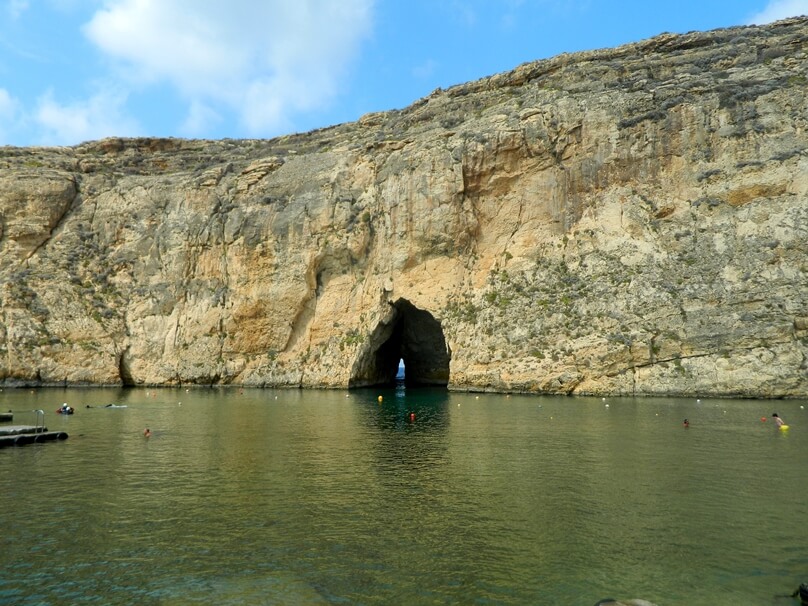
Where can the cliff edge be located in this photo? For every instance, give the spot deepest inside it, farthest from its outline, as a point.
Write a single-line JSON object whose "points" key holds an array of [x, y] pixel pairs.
{"points": [[623, 221]]}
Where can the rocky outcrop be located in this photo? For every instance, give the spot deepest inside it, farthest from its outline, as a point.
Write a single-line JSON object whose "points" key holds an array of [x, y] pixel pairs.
{"points": [[625, 221]]}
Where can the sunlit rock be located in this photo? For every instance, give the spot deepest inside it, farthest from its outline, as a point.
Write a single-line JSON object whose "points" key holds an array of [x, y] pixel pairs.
{"points": [[624, 221]]}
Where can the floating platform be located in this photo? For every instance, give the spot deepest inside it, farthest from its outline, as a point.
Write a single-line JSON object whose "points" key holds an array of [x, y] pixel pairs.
{"points": [[20, 435], [12, 430]]}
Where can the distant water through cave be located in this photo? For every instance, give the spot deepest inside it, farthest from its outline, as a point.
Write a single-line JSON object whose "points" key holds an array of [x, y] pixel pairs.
{"points": [[409, 349]]}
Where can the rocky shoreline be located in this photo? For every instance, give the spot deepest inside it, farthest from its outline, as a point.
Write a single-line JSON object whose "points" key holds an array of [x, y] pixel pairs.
{"points": [[629, 221]]}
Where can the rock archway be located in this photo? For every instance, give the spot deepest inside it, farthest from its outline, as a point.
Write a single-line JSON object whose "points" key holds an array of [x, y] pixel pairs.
{"points": [[412, 335]]}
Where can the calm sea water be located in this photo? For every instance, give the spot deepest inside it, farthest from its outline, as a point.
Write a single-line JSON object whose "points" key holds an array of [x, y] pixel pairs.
{"points": [[323, 497]]}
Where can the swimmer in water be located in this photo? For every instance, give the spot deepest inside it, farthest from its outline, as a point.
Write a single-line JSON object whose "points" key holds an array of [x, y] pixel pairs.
{"points": [[147, 433], [778, 420]]}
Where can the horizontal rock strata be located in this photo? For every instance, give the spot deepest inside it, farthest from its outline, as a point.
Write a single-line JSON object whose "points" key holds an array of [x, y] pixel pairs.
{"points": [[624, 221]]}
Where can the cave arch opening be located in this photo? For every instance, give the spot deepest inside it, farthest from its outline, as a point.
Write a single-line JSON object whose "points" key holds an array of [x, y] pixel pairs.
{"points": [[409, 347]]}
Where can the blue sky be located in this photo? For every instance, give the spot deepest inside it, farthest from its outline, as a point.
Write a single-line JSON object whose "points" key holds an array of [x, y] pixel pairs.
{"points": [[76, 70]]}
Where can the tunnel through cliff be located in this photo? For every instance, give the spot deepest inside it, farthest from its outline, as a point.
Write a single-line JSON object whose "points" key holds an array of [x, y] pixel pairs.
{"points": [[413, 336]]}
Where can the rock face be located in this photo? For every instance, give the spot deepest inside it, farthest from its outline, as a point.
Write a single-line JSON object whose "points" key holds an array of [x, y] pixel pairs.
{"points": [[625, 221]]}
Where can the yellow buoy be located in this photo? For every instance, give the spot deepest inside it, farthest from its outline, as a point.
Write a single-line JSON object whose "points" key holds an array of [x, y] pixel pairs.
{"points": [[783, 427], [380, 399]]}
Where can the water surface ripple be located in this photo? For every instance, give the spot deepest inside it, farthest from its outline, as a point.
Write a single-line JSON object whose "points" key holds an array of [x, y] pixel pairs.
{"points": [[309, 497]]}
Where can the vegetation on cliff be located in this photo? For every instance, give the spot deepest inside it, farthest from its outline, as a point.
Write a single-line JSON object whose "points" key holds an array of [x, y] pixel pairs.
{"points": [[622, 221]]}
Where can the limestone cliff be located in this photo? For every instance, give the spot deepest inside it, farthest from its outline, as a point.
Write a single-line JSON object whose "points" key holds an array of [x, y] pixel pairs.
{"points": [[625, 221]]}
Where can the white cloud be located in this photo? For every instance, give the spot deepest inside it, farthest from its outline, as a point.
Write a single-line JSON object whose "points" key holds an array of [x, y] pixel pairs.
{"points": [[780, 9], [8, 105], [102, 115], [199, 120], [9, 114], [15, 8], [266, 61]]}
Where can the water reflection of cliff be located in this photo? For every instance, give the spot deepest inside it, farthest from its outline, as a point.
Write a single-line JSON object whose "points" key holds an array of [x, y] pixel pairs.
{"points": [[407, 428], [429, 405]]}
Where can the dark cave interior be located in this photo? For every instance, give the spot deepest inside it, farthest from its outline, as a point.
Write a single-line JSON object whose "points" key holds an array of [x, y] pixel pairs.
{"points": [[413, 336]]}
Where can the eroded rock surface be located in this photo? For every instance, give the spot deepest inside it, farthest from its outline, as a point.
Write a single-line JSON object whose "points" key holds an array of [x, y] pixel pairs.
{"points": [[624, 221]]}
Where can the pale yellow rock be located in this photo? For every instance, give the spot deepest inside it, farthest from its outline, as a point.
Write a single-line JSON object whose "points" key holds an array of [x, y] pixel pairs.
{"points": [[621, 221]]}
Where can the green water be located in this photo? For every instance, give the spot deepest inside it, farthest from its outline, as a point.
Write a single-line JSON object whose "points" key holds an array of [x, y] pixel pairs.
{"points": [[310, 497]]}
